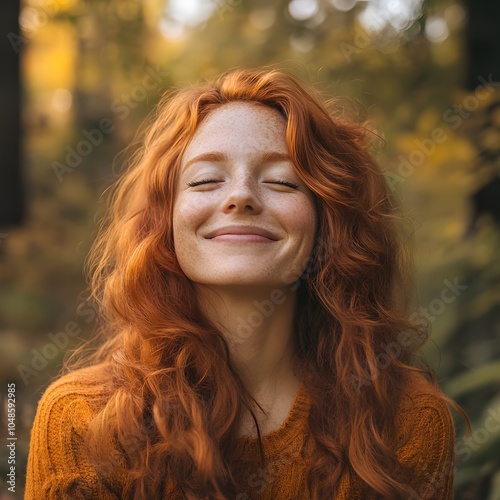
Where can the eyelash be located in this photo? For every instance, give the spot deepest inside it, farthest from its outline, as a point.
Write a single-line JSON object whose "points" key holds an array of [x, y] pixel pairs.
{"points": [[286, 183], [206, 181], [197, 183]]}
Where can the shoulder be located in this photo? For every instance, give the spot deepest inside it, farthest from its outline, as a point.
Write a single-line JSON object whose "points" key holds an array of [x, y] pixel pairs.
{"points": [[66, 408], [421, 403], [425, 439], [72, 397], [58, 460]]}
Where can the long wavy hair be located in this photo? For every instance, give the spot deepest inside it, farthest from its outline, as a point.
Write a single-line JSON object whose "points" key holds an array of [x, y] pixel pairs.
{"points": [[171, 396]]}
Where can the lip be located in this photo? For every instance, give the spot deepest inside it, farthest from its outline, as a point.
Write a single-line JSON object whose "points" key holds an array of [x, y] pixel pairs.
{"points": [[244, 231]]}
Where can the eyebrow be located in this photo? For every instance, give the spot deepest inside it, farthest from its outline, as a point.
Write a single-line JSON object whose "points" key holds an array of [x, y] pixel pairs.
{"points": [[214, 156], [210, 156]]}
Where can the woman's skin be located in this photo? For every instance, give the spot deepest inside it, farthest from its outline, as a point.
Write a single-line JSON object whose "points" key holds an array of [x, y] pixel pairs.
{"points": [[244, 281]]}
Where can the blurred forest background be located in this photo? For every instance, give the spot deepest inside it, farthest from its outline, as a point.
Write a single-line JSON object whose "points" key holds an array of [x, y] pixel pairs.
{"points": [[425, 73]]}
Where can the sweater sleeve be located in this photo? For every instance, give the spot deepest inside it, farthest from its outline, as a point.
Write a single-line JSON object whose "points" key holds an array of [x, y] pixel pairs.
{"points": [[427, 448], [58, 465]]}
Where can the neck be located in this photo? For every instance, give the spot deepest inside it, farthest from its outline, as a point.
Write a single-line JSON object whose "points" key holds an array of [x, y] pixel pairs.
{"points": [[258, 324]]}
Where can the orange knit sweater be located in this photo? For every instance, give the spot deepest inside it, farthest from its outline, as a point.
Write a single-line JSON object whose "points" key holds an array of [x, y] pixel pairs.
{"points": [[58, 461]]}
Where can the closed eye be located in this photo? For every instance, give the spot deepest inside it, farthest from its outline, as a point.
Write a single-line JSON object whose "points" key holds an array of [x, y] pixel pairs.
{"points": [[208, 181], [285, 183], [203, 181]]}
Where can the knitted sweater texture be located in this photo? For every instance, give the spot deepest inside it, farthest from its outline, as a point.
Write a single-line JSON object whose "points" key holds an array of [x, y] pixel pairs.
{"points": [[59, 467]]}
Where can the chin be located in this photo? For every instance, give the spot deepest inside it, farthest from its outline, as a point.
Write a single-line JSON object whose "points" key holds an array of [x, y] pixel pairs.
{"points": [[239, 279]]}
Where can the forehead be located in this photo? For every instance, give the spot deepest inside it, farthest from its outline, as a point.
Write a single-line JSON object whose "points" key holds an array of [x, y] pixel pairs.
{"points": [[240, 126]]}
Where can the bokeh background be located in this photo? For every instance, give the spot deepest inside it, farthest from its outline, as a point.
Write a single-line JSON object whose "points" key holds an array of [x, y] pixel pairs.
{"points": [[79, 76]]}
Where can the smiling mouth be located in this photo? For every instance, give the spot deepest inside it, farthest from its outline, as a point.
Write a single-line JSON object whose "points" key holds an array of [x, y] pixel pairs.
{"points": [[242, 233], [241, 238]]}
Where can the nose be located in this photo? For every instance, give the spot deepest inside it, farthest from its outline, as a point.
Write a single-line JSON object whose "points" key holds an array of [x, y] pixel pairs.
{"points": [[242, 198]]}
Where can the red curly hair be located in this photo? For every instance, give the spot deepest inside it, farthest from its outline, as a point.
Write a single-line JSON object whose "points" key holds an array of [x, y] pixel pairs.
{"points": [[173, 398]]}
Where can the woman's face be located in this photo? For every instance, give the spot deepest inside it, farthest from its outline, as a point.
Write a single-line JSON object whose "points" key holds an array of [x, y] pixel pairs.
{"points": [[242, 216]]}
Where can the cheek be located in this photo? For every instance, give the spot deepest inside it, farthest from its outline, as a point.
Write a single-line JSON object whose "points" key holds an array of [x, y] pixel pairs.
{"points": [[305, 220], [184, 227], [180, 227], [187, 215]]}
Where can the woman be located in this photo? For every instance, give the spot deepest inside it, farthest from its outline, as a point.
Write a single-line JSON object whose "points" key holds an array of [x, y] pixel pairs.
{"points": [[250, 280]]}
